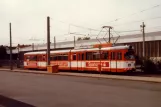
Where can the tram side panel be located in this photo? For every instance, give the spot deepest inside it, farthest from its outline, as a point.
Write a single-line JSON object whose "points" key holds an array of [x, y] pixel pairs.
{"points": [[61, 59]]}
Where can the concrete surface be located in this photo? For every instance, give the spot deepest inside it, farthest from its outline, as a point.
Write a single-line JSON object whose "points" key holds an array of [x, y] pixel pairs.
{"points": [[39, 90]]}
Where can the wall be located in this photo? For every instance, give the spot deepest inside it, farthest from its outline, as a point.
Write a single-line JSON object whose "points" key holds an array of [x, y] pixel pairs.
{"points": [[152, 48]]}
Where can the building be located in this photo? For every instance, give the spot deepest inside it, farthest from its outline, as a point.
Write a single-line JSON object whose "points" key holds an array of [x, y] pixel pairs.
{"points": [[152, 44]]}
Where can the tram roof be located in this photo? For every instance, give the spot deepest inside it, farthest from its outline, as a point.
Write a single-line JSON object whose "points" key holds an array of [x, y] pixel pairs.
{"points": [[78, 50], [44, 52], [105, 48]]}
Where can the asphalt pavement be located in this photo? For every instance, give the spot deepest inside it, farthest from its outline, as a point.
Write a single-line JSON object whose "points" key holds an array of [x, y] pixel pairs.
{"points": [[40, 90]]}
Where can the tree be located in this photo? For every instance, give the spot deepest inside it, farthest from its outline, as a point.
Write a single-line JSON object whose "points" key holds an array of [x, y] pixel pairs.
{"points": [[86, 38], [83, 38], [79, 38], [2, 52]]}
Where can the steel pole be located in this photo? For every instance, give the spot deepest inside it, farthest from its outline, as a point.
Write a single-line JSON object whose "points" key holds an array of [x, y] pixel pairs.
{"points": [[48, 40], [11, 66]]}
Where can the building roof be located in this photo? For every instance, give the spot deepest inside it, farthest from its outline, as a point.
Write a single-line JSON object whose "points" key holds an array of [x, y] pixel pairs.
{"points": [[152, 36]]}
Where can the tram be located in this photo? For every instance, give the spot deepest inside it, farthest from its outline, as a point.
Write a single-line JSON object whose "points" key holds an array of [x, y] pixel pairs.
{"points": [[99, 58]]}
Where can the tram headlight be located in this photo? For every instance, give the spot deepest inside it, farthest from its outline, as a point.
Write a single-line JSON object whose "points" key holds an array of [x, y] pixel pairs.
{"points": [[129, 65]]}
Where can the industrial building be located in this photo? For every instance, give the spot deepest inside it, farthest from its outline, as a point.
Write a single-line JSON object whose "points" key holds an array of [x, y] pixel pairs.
{"points": [[152, 44]]}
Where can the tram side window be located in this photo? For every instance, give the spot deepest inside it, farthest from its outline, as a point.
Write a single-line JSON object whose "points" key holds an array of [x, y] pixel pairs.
{"points": [[65, 57], [83, 56], [119, 56], [105, 56], [74, 57], [89, 56], [53, 58], [59, 57], [113, 56], [43, 58], [79, 57], [96, 56]]}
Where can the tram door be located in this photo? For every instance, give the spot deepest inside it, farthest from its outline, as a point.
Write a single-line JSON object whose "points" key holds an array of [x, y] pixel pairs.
{"points": [[116, 57], [39, 59], [113, 61], [74, 61], [79, 61]]}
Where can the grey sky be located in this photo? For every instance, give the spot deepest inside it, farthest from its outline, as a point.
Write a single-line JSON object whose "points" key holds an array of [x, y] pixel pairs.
{"points": [[28, 17]]}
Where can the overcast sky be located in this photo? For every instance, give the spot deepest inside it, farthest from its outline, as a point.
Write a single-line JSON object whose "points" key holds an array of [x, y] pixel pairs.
{"points": [[28, 17]]}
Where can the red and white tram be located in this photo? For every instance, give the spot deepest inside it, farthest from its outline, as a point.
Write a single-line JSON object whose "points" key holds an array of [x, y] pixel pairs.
{"points": [[105, 59]]}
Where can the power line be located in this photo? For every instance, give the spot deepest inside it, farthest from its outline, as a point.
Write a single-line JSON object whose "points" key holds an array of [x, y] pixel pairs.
{"points": [[117, 19], [91, 29], [128, 31], [154, 27], [78, 26], [150, 8], [117, 32], [135, 30], [153, 18]]}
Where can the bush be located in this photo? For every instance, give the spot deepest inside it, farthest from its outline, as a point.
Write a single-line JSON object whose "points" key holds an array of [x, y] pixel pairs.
{"points": [[159, 65], [149, 66], [139, 61], [83, 38], [79, 38]]}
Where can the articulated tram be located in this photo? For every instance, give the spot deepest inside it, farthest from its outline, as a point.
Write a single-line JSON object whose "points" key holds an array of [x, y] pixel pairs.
{"points": [[104, 59]]}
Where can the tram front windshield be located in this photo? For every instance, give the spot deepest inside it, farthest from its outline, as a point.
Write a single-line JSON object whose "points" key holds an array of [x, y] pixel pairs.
{"points": [[129, 55]]}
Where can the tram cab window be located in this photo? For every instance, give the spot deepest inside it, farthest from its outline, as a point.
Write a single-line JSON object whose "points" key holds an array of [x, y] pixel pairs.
{"points": [[105, 56], [27, 58], [129, 55], [89, 56], [33, 58]]}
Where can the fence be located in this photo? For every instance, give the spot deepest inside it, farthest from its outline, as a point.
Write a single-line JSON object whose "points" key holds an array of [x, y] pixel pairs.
{"points": [[15, 63]]}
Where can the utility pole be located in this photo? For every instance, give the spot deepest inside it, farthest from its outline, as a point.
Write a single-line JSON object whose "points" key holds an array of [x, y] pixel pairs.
{"points": [[109, 34], [54, 42], [48, 40], [74, 41], [18, 57], [11, 67], [32, 46], [143, 30]]}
